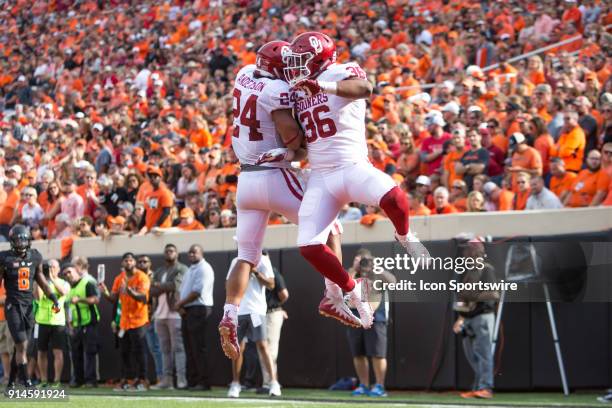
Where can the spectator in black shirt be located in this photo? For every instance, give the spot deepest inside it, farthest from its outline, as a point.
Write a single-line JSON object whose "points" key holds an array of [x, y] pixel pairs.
{"points": [[587, 122], [110, 197], [475, 161]]}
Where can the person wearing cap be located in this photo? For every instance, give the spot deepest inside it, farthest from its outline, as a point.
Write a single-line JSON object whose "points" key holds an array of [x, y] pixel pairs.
{"points": [[498, 199], [571, 144], [450, 112], [116, 225], [188, 221], [542, 198], [158, 203], [476, 316], [83, 299], [587, 122], [524, 158], [423, 187], [513, 110], [131, 289], [543, 95], [475, 161], [10, 208], [442, 206], [432, 148]]}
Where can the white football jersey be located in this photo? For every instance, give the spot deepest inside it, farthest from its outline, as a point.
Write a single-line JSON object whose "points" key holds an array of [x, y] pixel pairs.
{"points": [[334, 126], [254, 100]]}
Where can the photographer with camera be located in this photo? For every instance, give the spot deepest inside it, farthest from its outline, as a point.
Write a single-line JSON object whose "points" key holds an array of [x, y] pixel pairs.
{"points": [[476, 310], [51, 324], [370, 343]]}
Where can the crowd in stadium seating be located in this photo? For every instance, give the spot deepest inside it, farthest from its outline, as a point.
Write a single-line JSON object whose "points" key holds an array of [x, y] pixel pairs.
{"points": [[118, 119]]}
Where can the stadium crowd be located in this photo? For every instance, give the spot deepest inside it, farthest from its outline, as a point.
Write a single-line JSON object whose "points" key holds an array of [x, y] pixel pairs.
{"points": [[117, 116]]}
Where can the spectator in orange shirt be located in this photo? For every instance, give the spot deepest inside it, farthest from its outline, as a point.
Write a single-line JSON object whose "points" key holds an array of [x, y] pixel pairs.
{"points": [[158, 203], [498, 199], [416, 204], [536, 130], [458, 195], [442, 206], [188, 221], [10, 209], [131, 289], [543, 95], [584, 187], [523, 191], [561, 180], [409, 159], [524, 159], [571, 144], [449, 174], [371, 216], [606, 159]]}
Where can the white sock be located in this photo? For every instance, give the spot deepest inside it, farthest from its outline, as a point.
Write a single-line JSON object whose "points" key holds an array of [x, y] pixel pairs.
{"points": [[332, 288], [231, 310]]}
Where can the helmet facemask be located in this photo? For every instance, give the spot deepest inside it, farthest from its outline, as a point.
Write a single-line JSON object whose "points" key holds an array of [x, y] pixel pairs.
{"points": [[20, 244], [297, 66]]}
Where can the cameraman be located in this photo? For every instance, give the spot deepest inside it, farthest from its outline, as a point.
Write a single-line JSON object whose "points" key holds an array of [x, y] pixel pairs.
{"points": [[476, 310], [370, 342]]}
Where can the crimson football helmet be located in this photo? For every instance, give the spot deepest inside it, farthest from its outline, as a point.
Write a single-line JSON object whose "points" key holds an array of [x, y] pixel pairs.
{"points": [[270, 58], [310, 54]]}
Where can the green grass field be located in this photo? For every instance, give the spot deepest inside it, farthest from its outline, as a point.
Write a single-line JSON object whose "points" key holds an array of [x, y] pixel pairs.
{"points": [[106, 398]]}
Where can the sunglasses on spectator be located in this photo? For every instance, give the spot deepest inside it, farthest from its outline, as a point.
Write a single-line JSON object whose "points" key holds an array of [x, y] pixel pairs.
{"points": [[521, 182], [28, 195], [607, 152], [458, 187], [144, 261]]}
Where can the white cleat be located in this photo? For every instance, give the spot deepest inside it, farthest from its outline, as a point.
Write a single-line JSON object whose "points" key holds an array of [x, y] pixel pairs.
{"points": [[358, 298], [275, 389], [414, 246], [234, 390]]}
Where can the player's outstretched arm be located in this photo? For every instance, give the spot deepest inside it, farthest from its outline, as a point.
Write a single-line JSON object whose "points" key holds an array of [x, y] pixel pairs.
{"points": [[352, 88], [355, 88]]}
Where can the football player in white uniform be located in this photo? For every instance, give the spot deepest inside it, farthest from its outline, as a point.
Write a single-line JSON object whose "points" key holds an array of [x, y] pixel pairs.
{"points": [[263, 122], [331, 110]]}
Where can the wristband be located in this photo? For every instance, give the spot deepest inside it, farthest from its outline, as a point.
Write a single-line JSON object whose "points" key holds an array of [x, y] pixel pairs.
{"points": [[328, 87], [52, 297]]}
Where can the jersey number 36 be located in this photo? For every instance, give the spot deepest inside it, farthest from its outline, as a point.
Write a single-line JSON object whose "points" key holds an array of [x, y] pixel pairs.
{"points": [[316, 126]]}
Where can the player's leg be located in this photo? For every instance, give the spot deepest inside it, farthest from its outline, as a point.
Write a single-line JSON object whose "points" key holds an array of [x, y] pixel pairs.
{"points": [[377, 188], [250, 232], [318, 211], [252, 219], [20, 324]]}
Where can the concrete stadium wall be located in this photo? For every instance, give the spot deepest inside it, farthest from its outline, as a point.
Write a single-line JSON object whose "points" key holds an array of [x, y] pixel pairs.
{"points": [[431, 228]]}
